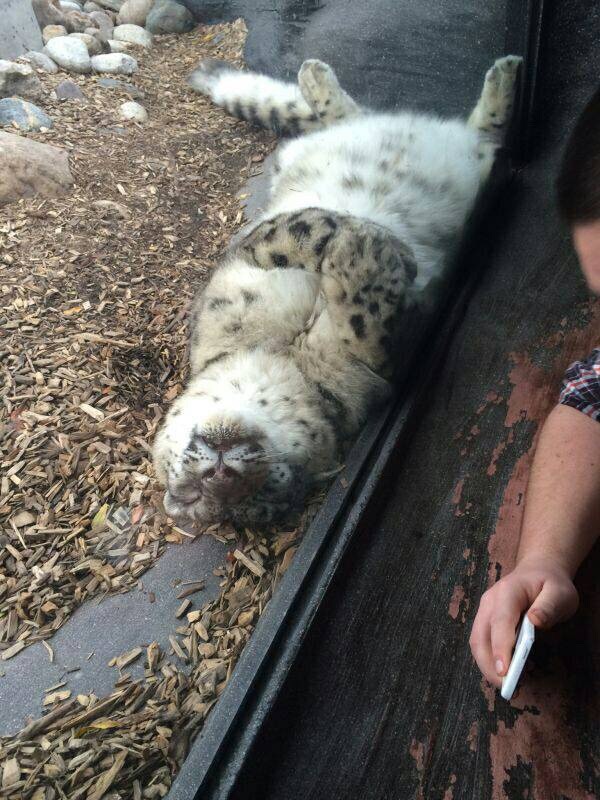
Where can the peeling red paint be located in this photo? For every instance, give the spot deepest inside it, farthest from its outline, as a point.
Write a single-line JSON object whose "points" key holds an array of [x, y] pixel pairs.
{"points": [[458, 595], [457, 497], [459, 603], [417, 751], [532, 395], [497, 452], [473, 736], [457, 493], [490, 398], [540, 736], [503, 543], [449, 793]]}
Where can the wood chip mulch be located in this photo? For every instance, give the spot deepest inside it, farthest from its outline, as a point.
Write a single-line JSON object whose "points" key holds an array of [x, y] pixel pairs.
{"points": [[94, 289], [132, 743]]}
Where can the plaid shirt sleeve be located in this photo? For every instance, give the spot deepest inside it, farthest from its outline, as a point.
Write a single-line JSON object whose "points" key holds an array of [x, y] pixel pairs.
{"points": [[581, 386]]}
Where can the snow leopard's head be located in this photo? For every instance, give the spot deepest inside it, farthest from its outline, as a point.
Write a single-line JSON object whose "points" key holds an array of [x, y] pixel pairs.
{"points": [[246, 454]]}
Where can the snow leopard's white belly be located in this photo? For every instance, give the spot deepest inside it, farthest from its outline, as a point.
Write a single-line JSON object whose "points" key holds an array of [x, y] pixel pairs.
{"points": [[417, 176]]}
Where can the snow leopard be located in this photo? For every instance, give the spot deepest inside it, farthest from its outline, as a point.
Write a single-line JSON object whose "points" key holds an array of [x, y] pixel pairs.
{"points": [[295, 338]]}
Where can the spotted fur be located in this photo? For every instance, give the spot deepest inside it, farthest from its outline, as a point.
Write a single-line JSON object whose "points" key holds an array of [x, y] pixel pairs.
{"points": [[298, 332]]}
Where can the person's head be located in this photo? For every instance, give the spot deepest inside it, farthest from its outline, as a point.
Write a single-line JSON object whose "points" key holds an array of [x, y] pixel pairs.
{"points": [[578, 189]]}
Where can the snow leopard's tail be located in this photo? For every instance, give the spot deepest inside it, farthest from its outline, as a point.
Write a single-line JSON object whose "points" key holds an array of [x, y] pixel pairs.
{"points": [[256, 98]]}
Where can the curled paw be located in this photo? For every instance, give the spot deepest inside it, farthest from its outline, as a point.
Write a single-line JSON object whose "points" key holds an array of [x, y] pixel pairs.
{"points": [[317, 81]]}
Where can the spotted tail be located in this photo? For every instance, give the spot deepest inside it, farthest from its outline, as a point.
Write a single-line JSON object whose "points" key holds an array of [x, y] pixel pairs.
{"points": [[258, 99]]}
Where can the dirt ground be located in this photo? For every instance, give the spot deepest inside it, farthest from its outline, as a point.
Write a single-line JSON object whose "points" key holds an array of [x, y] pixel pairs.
{"points": [[94, 290]]}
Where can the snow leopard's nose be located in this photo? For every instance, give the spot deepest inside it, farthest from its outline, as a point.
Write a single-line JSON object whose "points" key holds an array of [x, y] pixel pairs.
{"points": [[220, 472]]}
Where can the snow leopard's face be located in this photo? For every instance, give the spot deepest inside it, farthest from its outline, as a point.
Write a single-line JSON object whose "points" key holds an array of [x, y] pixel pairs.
{"points": [[218, 463]]}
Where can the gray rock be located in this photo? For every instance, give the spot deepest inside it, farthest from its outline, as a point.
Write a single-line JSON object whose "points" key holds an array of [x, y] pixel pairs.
{"points": [[94, 45], [76, 21], [52, 31], [30, 168], [134, 12], [113, 5], [133, 111], [41, 61], [119, 47], [104, 23], [133, 34], [19, 29], [67, 90], [91, 6], [70, 53], [167, 16], [26, 116], [117, 63], [47, 13], [69, 5], [128, 88], [19, 79]]}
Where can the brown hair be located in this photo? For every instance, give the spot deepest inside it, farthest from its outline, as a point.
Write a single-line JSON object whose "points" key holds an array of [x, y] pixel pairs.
{"points": [[578, 183]]}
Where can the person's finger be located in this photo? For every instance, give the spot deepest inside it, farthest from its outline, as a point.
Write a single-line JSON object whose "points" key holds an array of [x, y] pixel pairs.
{"points": [[557, 601], [481, 646], [503, 625]]}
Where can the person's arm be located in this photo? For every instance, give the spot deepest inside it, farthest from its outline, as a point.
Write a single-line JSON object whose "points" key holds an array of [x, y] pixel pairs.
{"points": [[561, 523]]}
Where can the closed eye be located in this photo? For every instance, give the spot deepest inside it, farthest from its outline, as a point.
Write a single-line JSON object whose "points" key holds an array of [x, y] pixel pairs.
{"points": [[274, 458]]}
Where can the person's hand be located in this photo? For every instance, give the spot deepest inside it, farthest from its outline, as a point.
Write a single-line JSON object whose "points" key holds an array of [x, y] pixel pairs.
{"points": [[544, 587]]}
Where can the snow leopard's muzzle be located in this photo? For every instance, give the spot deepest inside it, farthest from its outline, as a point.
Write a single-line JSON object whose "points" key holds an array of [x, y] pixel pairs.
{"points": [[233, 478]]}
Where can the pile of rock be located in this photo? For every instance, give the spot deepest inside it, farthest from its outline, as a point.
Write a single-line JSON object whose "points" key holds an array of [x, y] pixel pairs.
{"points": [[104, 28], [18, 85], [80, 37]]}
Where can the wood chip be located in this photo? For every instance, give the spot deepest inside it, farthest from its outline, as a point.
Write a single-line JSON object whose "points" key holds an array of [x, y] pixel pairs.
{"points": [[183, 608], [191, 589], [128, 658], [56, 697], [257, 569], [95, 413], [11, 773], [107, 778], [12, 651]]}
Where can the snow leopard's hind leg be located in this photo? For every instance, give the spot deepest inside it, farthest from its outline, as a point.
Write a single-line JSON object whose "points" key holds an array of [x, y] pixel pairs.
{"points": [[491, 115], [322, 91], [366, 279]]}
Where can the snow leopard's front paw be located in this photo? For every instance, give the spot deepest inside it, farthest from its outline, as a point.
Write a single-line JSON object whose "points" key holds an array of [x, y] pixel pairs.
{"points": [[206, 75], [321, 90]]}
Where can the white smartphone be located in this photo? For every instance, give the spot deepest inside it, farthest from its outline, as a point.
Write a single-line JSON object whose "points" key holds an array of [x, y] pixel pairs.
{"points": [[524, 643]]}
